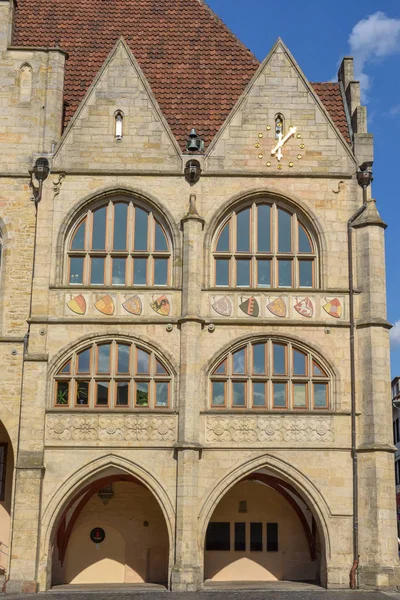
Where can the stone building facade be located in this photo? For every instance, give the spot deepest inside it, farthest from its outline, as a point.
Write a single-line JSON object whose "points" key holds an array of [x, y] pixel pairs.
{"points": [[177, 392]]}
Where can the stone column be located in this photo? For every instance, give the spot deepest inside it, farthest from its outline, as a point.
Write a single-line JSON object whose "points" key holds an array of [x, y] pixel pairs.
{"points": [[28, 481], [187, 571], [378, 566]]}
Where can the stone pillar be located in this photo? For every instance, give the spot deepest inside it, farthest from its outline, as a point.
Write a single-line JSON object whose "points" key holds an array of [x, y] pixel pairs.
{"points": [[378, 565], [187, 571], [28, 481]]}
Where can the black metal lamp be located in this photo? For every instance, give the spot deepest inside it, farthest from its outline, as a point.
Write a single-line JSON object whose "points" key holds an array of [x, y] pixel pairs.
{"points": [[41, 172], [364, 175], [192, 171]]}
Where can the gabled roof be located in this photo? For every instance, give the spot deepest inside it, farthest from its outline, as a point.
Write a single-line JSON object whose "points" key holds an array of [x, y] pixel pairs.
{"points": [[196, 67]]}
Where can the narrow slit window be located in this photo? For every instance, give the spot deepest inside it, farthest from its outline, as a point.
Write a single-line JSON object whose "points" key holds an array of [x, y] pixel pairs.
{"points": [[119, 122]]}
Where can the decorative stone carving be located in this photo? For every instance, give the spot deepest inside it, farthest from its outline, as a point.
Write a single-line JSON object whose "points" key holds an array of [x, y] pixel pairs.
{"points": [[110, 428], [293, 428]]}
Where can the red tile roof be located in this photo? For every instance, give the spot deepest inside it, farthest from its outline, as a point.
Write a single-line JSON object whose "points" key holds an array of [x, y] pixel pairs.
{"points": [[195, 65], [332, 99]]}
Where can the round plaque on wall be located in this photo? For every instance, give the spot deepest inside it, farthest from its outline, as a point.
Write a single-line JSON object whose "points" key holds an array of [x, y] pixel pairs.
{"points": [[97, 535]]}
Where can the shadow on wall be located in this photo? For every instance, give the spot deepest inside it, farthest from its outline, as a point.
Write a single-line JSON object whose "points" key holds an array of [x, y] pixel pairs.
{"points": [[6, 479], [135, 547]]}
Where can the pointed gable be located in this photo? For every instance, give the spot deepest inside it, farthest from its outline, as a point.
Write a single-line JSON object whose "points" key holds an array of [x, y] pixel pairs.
{"points": [[90, 141], [196, 67], [247, 138]]}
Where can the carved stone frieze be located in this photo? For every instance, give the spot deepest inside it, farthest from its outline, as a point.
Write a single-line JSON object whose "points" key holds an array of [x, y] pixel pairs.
{"points": [[293, 428], [110, 428]]}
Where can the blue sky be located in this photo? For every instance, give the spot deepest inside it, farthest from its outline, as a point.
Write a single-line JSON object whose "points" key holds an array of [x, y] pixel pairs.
{"points": [[319, 33]]}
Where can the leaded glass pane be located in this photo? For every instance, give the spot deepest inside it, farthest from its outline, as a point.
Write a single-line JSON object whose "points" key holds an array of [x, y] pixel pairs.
{"points": [[223, 240], [279, 359], [222, 272], [320, 395], [120, 221], [76, 270], [284, 231], [218, 393], [160, 241], [99, 229], [122, 393], [118, 271], [243, 273], [300, 395], [239, 394], [259, 398], [243, 231], [239, 361], [304, 240], [306, 273], [97, 271], [264, 273], [141, 218], [103, 358], [299, 363], [264, 228], [279, 395], [78, 242], [142, 393], [160, 271], [285, 273], [162, 393], [123, 358], [259, 359], [140, 271]]}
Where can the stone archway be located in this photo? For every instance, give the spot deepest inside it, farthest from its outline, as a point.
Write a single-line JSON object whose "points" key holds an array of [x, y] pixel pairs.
{"points": [[261, 530], [6, 484], [107, 533], [279, 485]]}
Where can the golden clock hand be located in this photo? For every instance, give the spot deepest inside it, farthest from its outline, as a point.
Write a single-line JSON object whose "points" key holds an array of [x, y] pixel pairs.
{"points": [[282, 142]]}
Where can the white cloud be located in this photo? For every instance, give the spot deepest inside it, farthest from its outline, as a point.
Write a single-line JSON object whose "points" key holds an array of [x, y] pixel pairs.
{"points": [[372, 38], [395, 110], [395, 335]]}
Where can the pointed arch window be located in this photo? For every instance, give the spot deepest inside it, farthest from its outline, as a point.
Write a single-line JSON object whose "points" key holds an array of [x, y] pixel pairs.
{"points": [[264, 245], [270, 375], [25, 83], [113, 375], [119, 244]]}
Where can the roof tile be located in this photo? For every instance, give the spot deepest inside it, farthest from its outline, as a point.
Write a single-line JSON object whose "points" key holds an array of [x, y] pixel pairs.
{"points": [[195, 65]]}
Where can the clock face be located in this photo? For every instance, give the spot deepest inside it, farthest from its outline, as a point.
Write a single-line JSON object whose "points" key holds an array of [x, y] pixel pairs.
{"points": [[280, 147]]}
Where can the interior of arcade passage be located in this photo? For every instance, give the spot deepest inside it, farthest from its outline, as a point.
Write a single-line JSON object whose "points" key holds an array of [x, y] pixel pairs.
{"points": [[112, 531], [262, 530]]}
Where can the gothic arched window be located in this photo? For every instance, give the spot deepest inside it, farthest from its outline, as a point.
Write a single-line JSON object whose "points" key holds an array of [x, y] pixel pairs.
{"points": [[270, 375], [119, 243], [113, 375], [264, 245]]}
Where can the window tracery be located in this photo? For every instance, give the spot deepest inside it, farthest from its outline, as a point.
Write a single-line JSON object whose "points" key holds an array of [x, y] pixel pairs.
{"points": [[264, 245], [113, 375], [270, 375], [119, 243]]}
